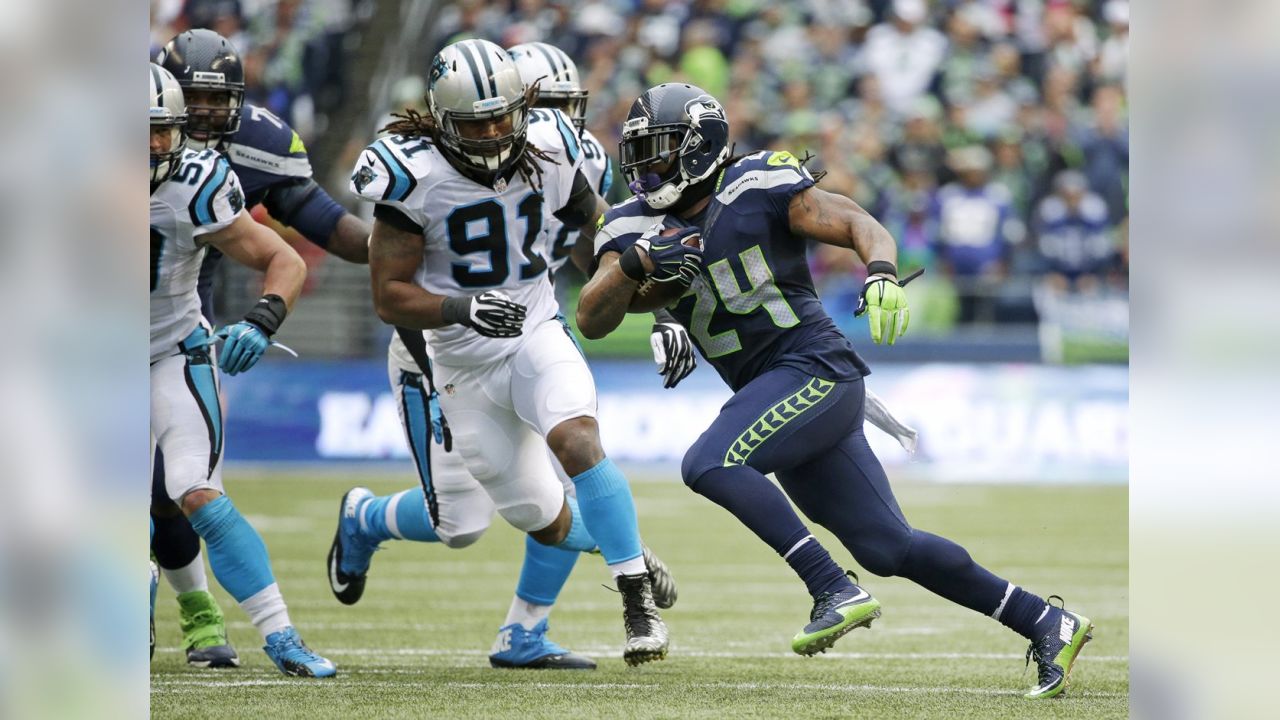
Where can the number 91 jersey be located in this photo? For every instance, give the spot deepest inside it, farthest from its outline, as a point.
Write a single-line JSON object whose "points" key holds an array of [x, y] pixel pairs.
{"points": [[477, 238]]}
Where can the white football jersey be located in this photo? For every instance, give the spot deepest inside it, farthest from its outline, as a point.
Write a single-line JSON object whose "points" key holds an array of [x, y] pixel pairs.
{"points": [[477, 238], [597, 168], [201, 197]]}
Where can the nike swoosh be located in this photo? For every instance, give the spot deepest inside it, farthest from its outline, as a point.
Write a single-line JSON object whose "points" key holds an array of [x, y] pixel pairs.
{"points": [[333, 576], [861, 594]]}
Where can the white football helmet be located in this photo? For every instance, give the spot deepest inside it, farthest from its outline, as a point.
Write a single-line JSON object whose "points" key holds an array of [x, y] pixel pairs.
{"points": [[556, 76], [168, 113], [474, 84]]}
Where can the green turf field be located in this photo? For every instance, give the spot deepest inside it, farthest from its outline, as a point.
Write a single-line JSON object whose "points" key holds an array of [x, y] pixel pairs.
{"points": [[416, 645]]}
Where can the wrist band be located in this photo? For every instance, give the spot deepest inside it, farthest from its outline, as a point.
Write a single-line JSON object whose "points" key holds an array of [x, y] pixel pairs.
{"points": [[268, 314], [630, 264], [456, 310], [882, 267]]}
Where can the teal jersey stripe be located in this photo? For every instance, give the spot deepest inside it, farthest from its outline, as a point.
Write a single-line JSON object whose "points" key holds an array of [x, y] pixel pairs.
{"points": [[401, 184], [570, 138], [203, 202]]}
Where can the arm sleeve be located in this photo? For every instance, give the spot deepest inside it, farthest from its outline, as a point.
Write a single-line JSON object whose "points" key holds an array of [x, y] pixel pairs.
{"points": [[581, 204], [393, 216], [306, 207]]}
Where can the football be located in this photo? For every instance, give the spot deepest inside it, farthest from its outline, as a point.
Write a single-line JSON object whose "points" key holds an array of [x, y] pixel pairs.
{"points": [[651, 296]]}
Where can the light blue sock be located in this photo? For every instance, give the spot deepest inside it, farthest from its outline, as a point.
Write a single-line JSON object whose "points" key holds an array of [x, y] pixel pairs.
{"points": [[608, 511], [409, 518], [236, 551], [546, 569], [578, 538]]}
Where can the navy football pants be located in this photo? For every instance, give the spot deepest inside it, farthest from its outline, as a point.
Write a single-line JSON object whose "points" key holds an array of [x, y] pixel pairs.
{"points": [[809, 433]]}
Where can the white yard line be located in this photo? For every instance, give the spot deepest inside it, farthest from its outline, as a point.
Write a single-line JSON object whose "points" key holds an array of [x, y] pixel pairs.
{"points": [[784, 686], [677, 653]]}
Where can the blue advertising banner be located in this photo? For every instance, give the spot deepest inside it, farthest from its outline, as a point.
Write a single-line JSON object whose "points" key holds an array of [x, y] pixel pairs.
{"points": [[987, 422]]}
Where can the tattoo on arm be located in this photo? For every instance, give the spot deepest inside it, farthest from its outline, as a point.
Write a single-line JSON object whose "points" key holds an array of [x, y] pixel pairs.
{"points": [[837, 220]]}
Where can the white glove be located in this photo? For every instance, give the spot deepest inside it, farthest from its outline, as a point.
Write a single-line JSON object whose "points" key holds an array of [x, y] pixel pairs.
{"points": [[673, 352], [878, 414], [491, 314]]}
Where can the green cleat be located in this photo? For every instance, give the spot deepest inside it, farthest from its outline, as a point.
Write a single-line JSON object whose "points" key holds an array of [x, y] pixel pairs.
{"points": [[834, 615], [204, 633], [1056, 653]]}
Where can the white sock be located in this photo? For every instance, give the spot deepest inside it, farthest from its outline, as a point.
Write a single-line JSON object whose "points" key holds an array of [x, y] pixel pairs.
{"points": [[266, 610], [634, 566], [189, 578], [526, 613]]}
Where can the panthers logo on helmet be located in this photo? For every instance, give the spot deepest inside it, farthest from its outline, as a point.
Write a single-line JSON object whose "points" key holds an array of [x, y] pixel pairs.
{"points": [[438, 69]]}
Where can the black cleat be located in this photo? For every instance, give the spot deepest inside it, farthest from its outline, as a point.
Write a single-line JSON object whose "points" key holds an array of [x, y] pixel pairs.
{"points": [[646, 633]]}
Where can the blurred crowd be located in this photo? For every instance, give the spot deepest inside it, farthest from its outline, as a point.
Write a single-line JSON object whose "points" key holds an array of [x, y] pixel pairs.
{"points": [[294, 57], [989, 136]]}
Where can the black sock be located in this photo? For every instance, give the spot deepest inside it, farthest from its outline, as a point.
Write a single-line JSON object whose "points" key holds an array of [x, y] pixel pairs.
{"points": [[175, 543], [1028, 614], [765, 510]]}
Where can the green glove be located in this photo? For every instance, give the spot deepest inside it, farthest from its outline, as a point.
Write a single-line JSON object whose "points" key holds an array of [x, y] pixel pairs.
{"points": [[886, 306]]}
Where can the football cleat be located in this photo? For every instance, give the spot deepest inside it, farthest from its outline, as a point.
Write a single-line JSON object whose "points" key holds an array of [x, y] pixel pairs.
{"points": [[155, 583], [350, 554], [204, 632], [294, 658], [660, 579], [1055, 653], [520, 648], [646, 633], [834, 615]]}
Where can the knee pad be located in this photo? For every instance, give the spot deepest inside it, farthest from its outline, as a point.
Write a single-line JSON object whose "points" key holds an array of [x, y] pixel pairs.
{"points": [[460, 539], [527, 517], [696, 463]]}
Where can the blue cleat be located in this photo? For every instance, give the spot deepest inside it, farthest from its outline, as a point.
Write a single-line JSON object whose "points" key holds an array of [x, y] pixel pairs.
{"points": [[294, 658], [530, 649], [351, 553], [155, 583]]}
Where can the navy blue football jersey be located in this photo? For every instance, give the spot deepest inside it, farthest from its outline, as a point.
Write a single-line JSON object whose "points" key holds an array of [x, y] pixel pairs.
{"points": [[267, 155], [754, 307]]}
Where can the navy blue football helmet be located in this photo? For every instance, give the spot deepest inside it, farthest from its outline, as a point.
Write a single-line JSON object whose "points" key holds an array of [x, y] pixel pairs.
{"points": [[675, 135], [211, 74]]}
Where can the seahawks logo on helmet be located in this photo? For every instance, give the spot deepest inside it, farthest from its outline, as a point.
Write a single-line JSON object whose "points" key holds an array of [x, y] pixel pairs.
{"points": [[703, 105]]}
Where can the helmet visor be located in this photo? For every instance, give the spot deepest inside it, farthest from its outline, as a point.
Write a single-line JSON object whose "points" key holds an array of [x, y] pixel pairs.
{"points": [[651, 158]]}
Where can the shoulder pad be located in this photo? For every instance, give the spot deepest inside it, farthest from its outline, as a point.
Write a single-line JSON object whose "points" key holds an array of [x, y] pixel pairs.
{"points": [[218, 197], [779, 172], [630, 216], [553, 133], [390, 168], [266, 143]]}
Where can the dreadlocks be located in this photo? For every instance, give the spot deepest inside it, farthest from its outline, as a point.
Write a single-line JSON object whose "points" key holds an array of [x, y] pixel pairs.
{"points": [[415, 124]]}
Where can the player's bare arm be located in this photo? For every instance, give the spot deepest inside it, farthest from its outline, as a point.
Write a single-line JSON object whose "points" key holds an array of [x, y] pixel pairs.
{"points": [[605, 298], [394, 257], [259, 247], [350, 240], [837, 220]]}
